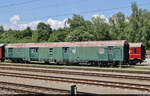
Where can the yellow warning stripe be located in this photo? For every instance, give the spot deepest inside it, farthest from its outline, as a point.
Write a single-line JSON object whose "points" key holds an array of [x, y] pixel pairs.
{"points": [[135, 58], [135, 54]]}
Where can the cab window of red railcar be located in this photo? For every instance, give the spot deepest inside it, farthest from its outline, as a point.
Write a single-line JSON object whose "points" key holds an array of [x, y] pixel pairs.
{"points": [[134, 51]]}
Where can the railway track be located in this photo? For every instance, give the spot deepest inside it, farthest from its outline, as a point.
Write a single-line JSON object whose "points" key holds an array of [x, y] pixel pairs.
{"points": [[140, 87], [18, 91], [86, 69], [79, 73], [28, 89]]}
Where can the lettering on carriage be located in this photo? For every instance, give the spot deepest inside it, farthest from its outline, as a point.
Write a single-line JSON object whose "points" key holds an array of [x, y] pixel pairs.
{"points": [[19, 50]]}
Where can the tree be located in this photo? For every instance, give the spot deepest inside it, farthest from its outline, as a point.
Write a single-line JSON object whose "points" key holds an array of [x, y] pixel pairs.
{"points": [[117, 26], [139, 26], [1, 31], [27, 32], [133, 28], [8, 36], [20, 34], [76, 21], [100, 28], [35, 36], [79, 34], [42, 33], [144, 31], [59, 35]]}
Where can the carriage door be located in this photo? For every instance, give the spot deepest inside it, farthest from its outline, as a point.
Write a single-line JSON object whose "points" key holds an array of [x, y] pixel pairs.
{"points": [[10, 52], [34, 52], [110, 53], [65, 52]]}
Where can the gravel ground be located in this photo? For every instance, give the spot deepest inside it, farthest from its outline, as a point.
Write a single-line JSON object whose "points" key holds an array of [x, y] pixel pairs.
{"points": [[28, 89], [7, 92], [115, 73], [83, 77], [83, 88], [144, 65]]}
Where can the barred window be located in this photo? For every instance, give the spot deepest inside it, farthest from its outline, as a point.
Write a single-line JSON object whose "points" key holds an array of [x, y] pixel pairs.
{"points": [[101, 50], [51, 51]]}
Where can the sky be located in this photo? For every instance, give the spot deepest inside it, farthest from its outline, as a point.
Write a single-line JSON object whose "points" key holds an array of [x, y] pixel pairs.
{"points": [[18, 14]]}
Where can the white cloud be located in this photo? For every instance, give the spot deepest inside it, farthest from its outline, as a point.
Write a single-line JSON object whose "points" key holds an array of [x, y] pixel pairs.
{"points": [[6, 27], [100, 16], [14, 19], [32, 25], [55, 24]]}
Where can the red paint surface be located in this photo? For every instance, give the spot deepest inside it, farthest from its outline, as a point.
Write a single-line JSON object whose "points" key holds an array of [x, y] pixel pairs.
{"points": [[136, 55], [1, 54]]}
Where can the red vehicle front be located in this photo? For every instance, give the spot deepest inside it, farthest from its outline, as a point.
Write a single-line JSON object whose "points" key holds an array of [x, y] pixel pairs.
{"points": [[136, 53], [1, 52]]}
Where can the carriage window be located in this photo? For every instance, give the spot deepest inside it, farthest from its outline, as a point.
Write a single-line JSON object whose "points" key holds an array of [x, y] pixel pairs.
{"points": [[109, 50], [32, 50], [73, 50], [10, 49], [134, 51], [36, 50], [101, 50], [65, 50]]}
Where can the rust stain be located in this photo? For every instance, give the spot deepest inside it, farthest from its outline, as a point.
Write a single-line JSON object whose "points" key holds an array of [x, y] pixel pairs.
{"points": [[69, 44]]}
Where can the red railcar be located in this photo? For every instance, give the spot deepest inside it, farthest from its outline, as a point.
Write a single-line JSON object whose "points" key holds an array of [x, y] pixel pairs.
{"points": [[2, 52], [137, 53]]}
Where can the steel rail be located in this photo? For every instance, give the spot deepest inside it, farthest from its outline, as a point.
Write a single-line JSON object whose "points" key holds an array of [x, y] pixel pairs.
{"points": [[80, 73], [86, 69], [19, 91], [140, 87]]}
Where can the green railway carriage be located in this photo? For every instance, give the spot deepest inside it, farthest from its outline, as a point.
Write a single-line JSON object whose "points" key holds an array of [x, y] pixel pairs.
{"points": [[95, 52]]}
